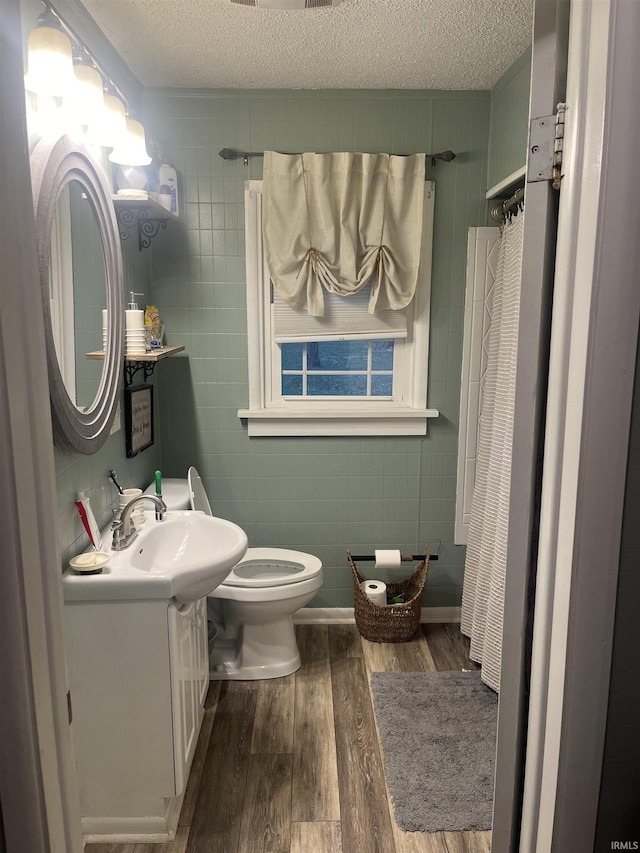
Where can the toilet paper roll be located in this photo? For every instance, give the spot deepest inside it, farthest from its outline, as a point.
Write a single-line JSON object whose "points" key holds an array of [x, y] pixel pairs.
{"points": [[388, 559], [376, 591]]}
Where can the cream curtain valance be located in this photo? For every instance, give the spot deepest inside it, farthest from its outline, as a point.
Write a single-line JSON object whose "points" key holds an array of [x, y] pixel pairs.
{"points": [[342, 221]]}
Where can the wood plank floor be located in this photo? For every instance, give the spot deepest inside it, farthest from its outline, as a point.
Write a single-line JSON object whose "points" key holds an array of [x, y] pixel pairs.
{"points": [[294, 765]]}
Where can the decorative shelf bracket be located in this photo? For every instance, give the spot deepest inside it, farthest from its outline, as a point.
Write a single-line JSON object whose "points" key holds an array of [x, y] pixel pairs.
{"points": [[132, 367], [139, 217], [146, 361]]}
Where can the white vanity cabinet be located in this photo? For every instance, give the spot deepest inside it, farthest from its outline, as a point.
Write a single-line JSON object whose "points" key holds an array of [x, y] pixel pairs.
{"points": [[138, 676], [188, 650]]}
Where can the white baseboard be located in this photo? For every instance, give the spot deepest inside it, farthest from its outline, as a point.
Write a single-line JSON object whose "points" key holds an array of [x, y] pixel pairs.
{"points": [[344, 615], [154, 829], [324, 616]]}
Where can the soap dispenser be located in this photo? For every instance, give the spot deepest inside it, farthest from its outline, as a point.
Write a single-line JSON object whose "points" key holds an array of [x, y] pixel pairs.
{"points": [[134, 327]]}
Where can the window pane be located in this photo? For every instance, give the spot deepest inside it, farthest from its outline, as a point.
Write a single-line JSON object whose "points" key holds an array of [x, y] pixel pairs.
{"points": [[291, 386], [291, 356], [337, 386], [382, 355], [381, 386], [337, 355]]}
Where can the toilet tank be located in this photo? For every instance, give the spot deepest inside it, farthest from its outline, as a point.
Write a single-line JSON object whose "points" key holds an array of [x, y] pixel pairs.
{"points": [[175, 493]]}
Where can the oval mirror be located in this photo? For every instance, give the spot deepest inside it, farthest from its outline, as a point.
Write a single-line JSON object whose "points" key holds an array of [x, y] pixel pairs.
{"points": [[77, 293], [80, 264]]}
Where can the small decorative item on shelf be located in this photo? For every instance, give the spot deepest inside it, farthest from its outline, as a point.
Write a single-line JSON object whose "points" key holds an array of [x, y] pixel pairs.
{"points": [[154, 336], [132, 181], [154, 328], [134, 327], [168, 188], [163, 181]]}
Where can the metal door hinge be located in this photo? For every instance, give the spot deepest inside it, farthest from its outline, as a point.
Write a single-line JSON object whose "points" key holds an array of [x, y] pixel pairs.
{"points": [[546, 139]]}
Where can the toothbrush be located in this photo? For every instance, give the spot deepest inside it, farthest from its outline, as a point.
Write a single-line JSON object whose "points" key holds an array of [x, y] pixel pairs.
{"points": [[158, 477], [112, 479]]}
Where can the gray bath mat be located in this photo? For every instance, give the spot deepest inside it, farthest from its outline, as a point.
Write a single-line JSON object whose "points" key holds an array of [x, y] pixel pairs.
{"points": [[438, 732]]}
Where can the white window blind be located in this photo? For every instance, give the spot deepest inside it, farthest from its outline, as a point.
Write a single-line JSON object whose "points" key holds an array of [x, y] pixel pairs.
{"points": [[346, 318]]}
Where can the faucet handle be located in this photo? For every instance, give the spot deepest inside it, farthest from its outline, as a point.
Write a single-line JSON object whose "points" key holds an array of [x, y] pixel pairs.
{"points": [[118, 532]]}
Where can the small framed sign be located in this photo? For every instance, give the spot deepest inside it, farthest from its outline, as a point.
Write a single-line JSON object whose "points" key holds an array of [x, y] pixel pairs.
{"points": [[138, 418]]}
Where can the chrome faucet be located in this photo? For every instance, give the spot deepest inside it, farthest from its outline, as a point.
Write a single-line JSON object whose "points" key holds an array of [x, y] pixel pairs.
{"points": [[124, 532]]}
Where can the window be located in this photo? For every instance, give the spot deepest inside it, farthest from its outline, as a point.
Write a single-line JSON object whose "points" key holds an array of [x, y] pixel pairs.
{"points": [[366, 374], [337, 369]]}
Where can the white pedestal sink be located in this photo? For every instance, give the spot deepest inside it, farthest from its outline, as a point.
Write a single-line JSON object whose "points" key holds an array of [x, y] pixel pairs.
{"points": [[185, 556]]}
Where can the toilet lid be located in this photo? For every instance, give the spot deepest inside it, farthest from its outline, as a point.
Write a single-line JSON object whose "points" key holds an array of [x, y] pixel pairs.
{"points": [[199, 499], [273, 567]]}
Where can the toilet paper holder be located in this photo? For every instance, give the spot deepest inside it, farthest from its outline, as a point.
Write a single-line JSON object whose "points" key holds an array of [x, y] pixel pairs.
{"points": [[405, 558]]}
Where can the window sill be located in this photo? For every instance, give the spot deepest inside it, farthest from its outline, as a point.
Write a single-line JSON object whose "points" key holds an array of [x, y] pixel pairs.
{"points": [[364, 421]]}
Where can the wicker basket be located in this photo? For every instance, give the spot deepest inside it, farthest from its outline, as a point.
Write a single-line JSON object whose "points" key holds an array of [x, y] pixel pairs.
{"points": [[390, 623]]}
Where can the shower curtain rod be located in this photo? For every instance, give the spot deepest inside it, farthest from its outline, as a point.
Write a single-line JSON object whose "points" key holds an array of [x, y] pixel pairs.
{"points": [[233, 154], [500, 210]]}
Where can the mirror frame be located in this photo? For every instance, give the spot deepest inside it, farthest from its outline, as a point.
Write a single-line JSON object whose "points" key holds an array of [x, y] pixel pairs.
{"points": [[53, 165]]}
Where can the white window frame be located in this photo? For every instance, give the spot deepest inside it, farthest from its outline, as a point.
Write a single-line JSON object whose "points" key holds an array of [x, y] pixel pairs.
{"points": [[269, 414]]}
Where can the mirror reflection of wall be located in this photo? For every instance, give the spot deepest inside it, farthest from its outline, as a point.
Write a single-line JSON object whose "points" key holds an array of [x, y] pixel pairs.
{"points": [[77, 292]]}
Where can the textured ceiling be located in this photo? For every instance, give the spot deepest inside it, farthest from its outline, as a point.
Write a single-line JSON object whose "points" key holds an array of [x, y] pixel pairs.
{"points": [[360, 44]]}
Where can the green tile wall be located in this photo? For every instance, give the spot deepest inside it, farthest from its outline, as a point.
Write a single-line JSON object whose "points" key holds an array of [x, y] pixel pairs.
{"points": [[314, 494], [508, 132]]}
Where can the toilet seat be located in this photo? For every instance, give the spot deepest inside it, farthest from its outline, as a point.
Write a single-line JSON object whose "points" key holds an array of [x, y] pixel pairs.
{"points": [[197, 494], [272, 567], [260, 568]]}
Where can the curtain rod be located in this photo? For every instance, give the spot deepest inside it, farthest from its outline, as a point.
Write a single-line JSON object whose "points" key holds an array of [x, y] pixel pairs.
{"points": [[499, 211], [233, 154]]}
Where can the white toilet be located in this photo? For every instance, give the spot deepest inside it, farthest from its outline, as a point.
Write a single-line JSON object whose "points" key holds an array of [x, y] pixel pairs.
{"points": [[254, 606]]}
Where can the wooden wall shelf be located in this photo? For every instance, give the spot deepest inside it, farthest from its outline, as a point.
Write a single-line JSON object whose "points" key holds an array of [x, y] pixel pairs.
{"points": [[145, 361]]}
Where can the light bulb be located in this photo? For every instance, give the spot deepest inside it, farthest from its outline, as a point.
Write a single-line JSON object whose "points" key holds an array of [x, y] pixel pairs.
{"points": [[131, 150], [110, 124], [86, 102], [50, 63]]}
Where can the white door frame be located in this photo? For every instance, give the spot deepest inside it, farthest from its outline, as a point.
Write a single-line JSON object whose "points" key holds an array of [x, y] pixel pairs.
{"points": [[592, 364], [548, 69], [38, 792]]}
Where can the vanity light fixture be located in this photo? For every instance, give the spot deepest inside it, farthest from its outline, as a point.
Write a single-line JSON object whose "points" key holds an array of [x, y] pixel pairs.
{"points": [[49, 58], [84, 103]]}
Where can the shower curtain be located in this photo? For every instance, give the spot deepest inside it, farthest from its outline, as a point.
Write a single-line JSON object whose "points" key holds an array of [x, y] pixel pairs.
{"points": [[485, 566]]}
